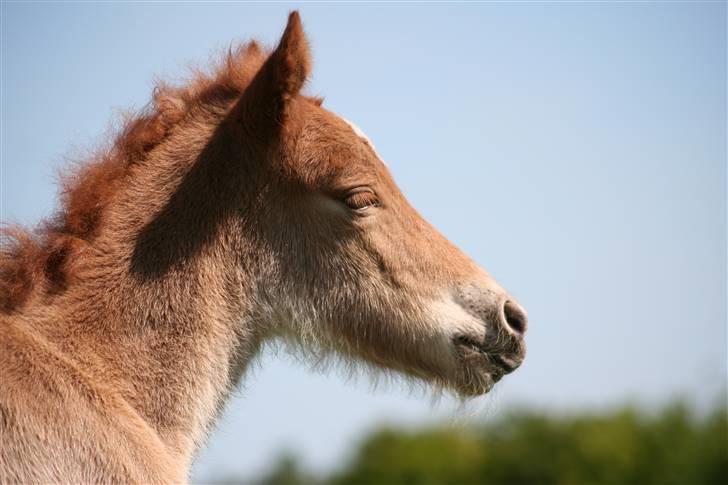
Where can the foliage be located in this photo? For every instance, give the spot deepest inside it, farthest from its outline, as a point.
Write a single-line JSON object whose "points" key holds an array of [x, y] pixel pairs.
{"points": [[287, 471], [625, 446]]}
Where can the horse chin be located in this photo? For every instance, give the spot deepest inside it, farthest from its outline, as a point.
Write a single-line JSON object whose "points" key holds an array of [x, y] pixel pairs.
{"points": [[476, 373], [471, 391], [472, 383]]}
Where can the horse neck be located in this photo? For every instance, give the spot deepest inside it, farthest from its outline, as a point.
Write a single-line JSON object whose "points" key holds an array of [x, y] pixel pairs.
{"points": [[171, 338]]}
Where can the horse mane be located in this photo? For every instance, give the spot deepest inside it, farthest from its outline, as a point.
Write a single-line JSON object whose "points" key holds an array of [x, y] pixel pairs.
{"points": [[42, 259]]}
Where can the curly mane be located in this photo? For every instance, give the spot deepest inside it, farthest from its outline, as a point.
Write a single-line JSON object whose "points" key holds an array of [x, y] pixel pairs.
{"points": [[41, 260]]}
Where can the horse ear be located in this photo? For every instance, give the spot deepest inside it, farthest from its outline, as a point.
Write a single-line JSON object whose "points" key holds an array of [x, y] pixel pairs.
{"points": [[291, 61], [266, 102]]}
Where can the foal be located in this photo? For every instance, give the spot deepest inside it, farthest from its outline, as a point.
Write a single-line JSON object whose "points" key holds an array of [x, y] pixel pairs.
{"points": [[234, 211]]}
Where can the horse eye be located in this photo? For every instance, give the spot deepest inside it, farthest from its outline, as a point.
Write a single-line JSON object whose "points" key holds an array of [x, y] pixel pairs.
{"points": [[361, 200]]}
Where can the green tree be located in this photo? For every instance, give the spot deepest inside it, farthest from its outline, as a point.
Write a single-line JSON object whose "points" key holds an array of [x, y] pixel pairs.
{"points": [[621, 447]]}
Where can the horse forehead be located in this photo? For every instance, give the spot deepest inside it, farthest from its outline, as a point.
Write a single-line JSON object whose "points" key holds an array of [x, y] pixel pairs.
{"points": [[360, 133]]}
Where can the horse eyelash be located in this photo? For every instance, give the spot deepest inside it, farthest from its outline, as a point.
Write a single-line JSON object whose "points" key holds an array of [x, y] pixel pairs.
{"points": [[361, 200]]}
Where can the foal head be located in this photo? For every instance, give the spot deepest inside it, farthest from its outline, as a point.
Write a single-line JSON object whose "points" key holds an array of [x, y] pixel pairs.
{"points": [[349, 265]]}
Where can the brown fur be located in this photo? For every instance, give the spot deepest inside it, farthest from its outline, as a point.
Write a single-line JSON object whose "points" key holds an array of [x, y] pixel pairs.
{"points": [[39, 260], [226, 215]]}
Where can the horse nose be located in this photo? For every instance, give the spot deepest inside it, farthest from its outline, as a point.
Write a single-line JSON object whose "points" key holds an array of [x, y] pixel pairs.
{"points": [[515, 318]]}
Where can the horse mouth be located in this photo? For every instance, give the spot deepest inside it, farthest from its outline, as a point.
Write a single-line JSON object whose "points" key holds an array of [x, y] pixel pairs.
{"points": [[496, 364]]}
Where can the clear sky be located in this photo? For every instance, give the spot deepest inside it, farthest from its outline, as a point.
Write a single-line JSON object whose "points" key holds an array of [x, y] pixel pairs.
{"points": [[577, 151]]}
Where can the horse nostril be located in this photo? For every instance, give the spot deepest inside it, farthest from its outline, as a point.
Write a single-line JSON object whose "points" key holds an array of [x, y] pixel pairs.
{"points": [[515, 316]]}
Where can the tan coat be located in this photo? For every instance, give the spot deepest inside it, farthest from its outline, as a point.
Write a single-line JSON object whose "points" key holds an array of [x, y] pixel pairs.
{"points": [[234, 211]]}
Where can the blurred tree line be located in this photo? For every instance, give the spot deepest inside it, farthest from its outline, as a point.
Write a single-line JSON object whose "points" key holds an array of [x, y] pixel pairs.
{"points": [[624, 446]]}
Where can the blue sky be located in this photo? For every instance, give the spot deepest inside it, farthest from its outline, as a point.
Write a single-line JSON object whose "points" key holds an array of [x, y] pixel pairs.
{"points": [[576, 151]]}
